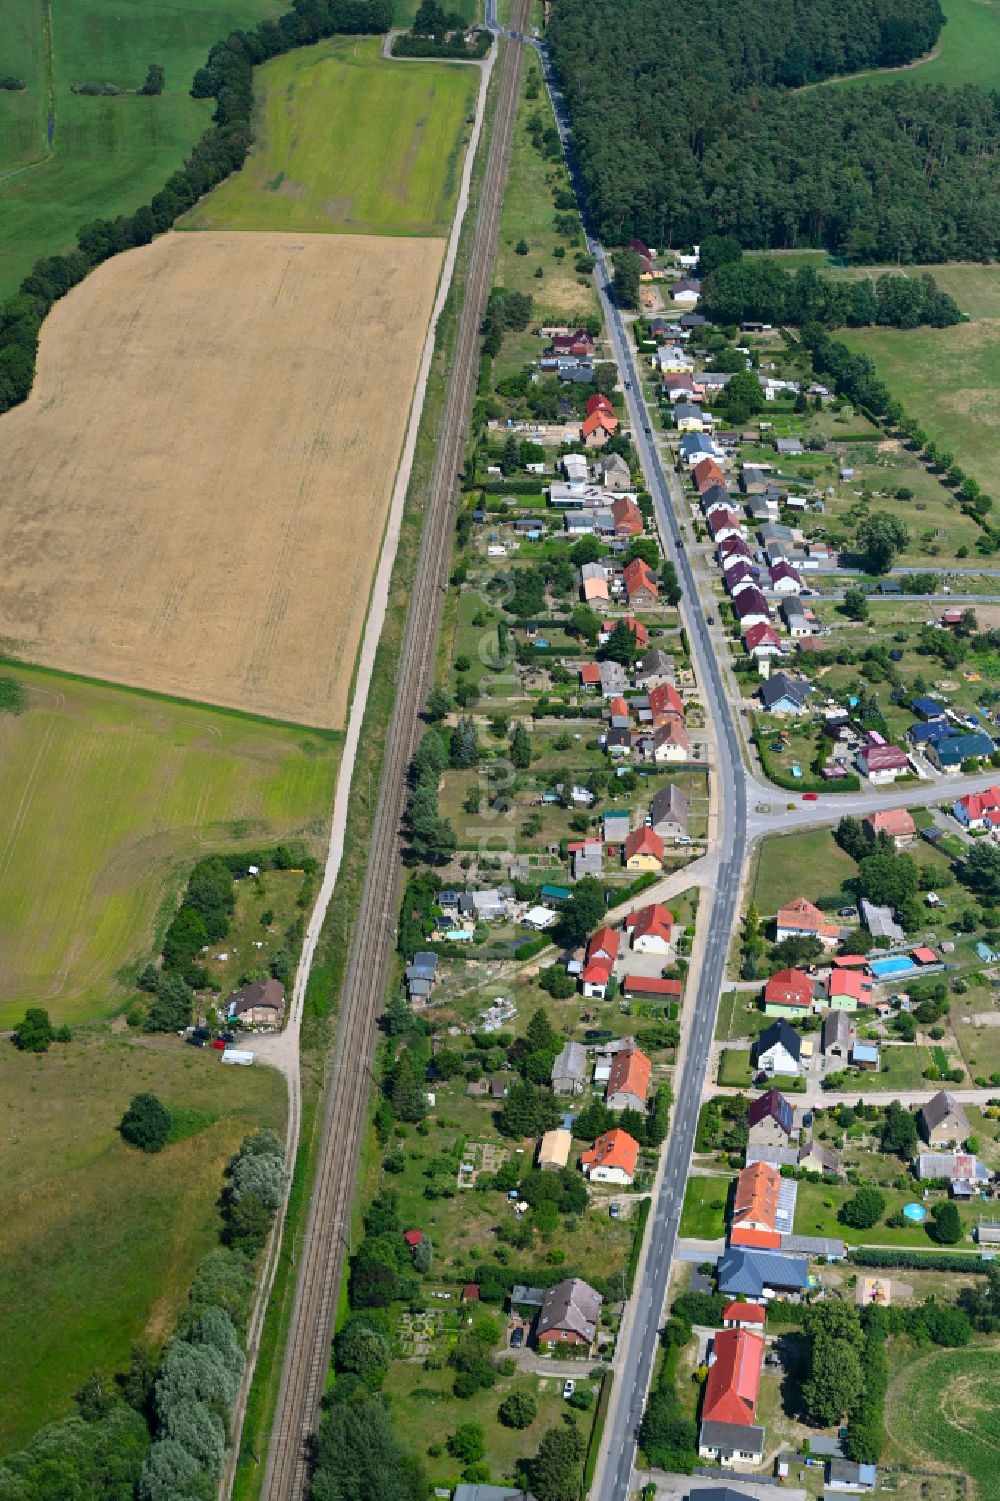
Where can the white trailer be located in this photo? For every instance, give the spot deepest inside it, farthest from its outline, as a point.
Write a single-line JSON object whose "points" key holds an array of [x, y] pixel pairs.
{"points": [[237, 1055]]}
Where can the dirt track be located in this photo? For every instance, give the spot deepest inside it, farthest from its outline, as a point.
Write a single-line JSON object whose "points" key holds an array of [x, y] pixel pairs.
{"points": [[196, 490]]}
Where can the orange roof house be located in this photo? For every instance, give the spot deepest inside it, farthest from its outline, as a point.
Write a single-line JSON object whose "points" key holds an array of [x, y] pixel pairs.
{"points": [[640, 582], [850, 985], [755, 1206], [613, 1158], [733, 1378], [896, 822], [707, 473], [650, 925], [638, 630], [628, 1081], [598, 428], [801, 919], [743, 1315], [627, 517], [590, 675]]}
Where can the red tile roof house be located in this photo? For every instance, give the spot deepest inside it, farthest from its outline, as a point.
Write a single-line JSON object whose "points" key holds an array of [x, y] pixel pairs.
{"points": [[643, 850], [599, 403], [669, 742], [590, 675], [665, 703], [788, 993], [896, 822], [640, 583], [595, 977], [612, 1159], [579, 343], [678, 387], [627, 517], [652, 987], [604, 944], [883, 763], [733, 1381], [652, 929], [848, 989], [800, 919], [973, 811], [762, 641], [628, 1082], [743, 1316], [638, 630]]}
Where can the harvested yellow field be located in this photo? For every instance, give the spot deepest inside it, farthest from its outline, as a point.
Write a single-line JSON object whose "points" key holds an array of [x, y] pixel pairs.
{"points": [[194, 496]]}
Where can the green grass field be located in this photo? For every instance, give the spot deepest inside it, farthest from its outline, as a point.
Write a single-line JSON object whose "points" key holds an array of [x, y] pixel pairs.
{"points": [[349, 142], [704, 1214], [968, 51], [791, 865], [100, 1242], [106, 797], [109, 155], [943, 1410]]}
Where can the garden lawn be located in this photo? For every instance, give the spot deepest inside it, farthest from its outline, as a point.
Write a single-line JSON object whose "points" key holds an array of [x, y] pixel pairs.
{"points": [[109, 155], [425, 1412], [100, 1242], [814, 1216], [107, 797], [734, 1068], [790, 865], [943, 1411], [348, 141], [704, 1214]]}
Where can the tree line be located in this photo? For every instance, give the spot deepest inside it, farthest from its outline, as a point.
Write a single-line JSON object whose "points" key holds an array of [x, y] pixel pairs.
{"points": [[718, 142], [227, 77], [763, 291]]}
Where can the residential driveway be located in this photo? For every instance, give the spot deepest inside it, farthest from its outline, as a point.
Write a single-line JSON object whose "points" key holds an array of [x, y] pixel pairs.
{"points": [[541, 1365], [677, 1487]]}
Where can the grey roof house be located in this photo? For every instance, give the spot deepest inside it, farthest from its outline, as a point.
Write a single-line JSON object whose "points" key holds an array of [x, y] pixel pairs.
{"points": [[668, 812], [569, 1070]]}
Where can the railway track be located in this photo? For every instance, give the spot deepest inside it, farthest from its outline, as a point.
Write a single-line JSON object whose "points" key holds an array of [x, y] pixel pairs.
{"points": [[325, 1243]]}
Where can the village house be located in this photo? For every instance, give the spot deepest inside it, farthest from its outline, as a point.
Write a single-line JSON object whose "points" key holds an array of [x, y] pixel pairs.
{"points": [[665, 704], [261, 1003], [628, 1081], [784, 694], [896, 822], [652, 929], [756, 1208], [640, 583], [668, 812], [569, 1069], [788, 993], [569, 1314], [727, 1432], [979, 810], [612, 1159], [744, 1316], [594, 978], [838, 1034], [849, 988], [948, 755], [751, 608], [598, 428], [587, 858], [626, 516], [771, 1121], [800, 919], [778, 1049], [882, 764], [762, 641], [612, 469], [643, 850], [669, 743], [942, 1122], [654, 668], [706, 471], [880, 922]]}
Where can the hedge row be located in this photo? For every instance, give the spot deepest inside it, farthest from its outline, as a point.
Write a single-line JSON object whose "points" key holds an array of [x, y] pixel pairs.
{"points": [[928, 1261]]}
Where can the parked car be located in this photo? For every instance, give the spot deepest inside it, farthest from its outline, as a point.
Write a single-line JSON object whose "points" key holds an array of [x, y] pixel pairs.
{"points": [[217, 1042], [569, 1388], [517, 1338], [194, 1041], [810, 797]]}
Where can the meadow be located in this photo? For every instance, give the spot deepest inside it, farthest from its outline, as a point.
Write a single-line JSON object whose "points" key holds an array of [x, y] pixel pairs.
{"points": [[349, 142], [947, 378], [99, 1243], [810, 864], [108, 155], [943, 1410], [968, 51], [106, 798], [198, 484]]}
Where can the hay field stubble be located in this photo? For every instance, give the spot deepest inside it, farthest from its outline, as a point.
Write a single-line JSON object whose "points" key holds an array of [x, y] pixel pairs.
{"points": [[197, 487]]}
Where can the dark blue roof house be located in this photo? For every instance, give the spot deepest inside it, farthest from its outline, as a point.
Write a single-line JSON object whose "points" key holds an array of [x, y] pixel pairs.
{"points": [[931, 732], [926, 708], [953, 752], [750, 1272]]}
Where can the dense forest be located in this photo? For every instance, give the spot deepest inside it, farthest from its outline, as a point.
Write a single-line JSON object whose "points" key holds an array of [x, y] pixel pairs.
{"points": [[718, 141]]}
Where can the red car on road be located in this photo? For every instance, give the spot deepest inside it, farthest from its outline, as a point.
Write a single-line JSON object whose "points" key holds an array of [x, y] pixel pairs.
{"points": [[810, 797]]}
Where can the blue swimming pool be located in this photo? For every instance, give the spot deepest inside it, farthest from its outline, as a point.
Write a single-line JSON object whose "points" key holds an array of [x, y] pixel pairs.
{"points": [[901, 964]]}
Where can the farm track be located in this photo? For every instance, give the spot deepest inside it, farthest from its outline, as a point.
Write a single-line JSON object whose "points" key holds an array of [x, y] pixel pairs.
{"points": [[321, 1264]]}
